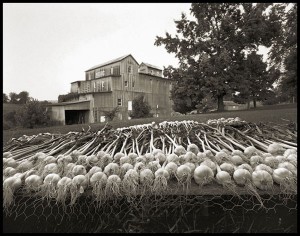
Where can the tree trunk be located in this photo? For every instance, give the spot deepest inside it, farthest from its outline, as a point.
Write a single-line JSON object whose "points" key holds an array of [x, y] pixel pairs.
{"points": [[254, 102], [220, 103], [248, 103]]}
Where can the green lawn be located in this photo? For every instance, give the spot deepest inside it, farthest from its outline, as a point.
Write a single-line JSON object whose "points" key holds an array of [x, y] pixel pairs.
{"points": [[277, 114]]}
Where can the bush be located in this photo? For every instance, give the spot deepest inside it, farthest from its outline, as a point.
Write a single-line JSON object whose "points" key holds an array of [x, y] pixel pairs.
{"points": [[111, 114], [7, 125], [270, 101], [140, 108], [68, 97], [11, 117], [33, 114]]}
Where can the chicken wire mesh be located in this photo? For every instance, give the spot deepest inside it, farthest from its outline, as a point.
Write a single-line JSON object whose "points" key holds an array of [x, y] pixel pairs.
{"points": [[152, 213]]}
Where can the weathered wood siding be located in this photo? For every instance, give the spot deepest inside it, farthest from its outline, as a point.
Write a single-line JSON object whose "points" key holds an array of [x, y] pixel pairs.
{"points": [[108, 70], [101, 85], [157, 91], [57, 113], [74, 87], [149, 70]]}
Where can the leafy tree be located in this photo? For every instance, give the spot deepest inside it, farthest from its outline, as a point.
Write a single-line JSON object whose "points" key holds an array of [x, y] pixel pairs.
{"points": [[288, 81], [257, 80], [283, 53], [23, 97], [5, 98], [212, 47], [140, 107], [185, 93], [269, 98], [14, 98], [33, 114]]}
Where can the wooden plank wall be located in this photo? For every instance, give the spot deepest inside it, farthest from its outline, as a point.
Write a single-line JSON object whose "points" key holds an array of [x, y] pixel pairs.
{"points": [[116, 71]]}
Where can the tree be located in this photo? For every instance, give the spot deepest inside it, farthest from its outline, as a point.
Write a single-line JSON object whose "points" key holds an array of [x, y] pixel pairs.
{"points": [[283, 53], [33, 114], [23, 97], [140, 107], [269, 98], [212, 47], [14, 98], [5, 98], [257, 80], [185, 93], [289, 80]]}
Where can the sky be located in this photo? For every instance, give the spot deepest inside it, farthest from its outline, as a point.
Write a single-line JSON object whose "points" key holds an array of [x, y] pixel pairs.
{"points": [[46, 46]]}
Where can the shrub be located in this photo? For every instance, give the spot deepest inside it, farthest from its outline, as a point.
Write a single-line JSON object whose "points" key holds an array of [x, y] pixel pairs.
{"points": [[33, 114], [11, 117], [111, 114], [68, 97], [140, 108], [7, 125]]}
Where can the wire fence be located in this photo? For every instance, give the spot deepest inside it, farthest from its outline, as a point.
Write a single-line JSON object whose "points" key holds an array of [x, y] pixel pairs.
{"points": [[154, 213]]}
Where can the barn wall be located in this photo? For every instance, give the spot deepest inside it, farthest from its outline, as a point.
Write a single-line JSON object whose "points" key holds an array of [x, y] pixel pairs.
{"points": [[111, 69], [74, 87], [155, 89], [57, 113]]}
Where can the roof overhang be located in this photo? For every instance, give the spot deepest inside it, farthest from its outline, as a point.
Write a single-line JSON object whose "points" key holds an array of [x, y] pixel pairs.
{"points": [[78, 105]]}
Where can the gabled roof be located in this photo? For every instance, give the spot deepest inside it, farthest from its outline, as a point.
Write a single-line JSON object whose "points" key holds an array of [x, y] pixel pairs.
{"points": [[152, 66], [111, 62]]}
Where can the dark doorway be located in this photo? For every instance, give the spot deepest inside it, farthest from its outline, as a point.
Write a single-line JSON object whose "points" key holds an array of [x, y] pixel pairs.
{"points": [[76, 117]]}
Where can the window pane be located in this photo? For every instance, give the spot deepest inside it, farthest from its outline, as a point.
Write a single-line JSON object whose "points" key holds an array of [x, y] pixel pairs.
{"points": [[119, 102]]}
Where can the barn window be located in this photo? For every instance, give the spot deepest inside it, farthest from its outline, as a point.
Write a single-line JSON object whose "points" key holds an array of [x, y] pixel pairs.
{"points": [[98, 73], [133, 84], [102, 118], [119, 102], [126, 83], [116, 70], [129, 69]]}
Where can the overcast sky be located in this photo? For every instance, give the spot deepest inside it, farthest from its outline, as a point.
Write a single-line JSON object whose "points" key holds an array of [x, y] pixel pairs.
{"points": [[46, 46]]}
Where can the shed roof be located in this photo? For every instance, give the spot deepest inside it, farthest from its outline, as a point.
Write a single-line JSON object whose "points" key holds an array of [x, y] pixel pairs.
{"points": [[111, 62], [68, 103], [152, 66]]}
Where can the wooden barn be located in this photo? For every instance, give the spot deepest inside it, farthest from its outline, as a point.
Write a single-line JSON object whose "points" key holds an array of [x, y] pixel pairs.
{"points": [[115, 83]]}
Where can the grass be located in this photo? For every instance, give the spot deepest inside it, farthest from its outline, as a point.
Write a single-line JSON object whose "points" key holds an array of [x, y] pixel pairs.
{"points": [[275, 113]]}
